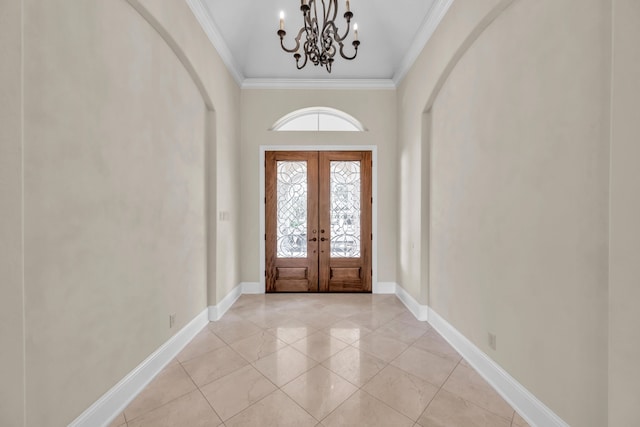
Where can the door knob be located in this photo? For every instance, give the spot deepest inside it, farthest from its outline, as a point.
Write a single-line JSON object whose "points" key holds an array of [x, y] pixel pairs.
{"points": [[323, 239], [314, 239]]}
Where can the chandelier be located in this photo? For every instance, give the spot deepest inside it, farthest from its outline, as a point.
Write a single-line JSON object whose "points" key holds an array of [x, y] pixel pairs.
{"points": [[322, 38]]}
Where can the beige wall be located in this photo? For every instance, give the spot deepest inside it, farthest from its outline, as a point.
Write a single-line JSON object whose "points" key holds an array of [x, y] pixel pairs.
{"points": [[119, 124], [376, 109], [624, 292], [11, 297], [176, 23], [518, 207], [453, 36]]}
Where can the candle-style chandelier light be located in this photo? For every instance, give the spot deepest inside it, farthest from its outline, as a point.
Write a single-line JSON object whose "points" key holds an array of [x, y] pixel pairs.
{"points": [[322, 40]]}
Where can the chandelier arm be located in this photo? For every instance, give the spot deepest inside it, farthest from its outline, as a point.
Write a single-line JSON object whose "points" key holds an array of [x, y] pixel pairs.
{"points": [[297, 40], [300, 67], [332, 10], [355, 45], [336, 36]]}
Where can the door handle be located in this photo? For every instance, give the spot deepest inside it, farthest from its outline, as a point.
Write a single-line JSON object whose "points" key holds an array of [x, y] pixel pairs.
{"points": [[322, 239], [315, 239]]}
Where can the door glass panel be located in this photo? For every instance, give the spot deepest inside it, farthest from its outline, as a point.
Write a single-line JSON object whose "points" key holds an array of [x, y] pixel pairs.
{"points": [[292, 209], [345, 209]]}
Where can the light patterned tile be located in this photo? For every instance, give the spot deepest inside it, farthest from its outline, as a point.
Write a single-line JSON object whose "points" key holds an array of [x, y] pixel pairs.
{"points": [[284, 365], [319, 346], [448, 410], [518, 421], [400, 331], [170, 384], [213, 365], [464, 362], [380, 346], [233, 331], [257, 346], [371, 320], [318, 319], [432, 342], [204, 342], [291, 330], [237, 391], [268, 319], [277, 409], [341, 310], [425, 365], [402, 391], [354, 365], [408, 318], [362, 409], [319, 391], [190, 410], [347, 331], [466, 383]]}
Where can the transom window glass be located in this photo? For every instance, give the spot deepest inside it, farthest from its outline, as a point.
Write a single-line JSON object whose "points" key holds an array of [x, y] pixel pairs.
{"points": [[318, 119]]}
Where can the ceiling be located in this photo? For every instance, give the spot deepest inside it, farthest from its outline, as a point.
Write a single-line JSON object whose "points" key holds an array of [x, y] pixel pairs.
{"points": [[392, 34]]}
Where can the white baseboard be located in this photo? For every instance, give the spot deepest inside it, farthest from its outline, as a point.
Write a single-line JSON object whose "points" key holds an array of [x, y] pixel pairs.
{"points": [[113, 402], [526, 404], [384, 288], [420, 311], [217, 311], [251, 288]]}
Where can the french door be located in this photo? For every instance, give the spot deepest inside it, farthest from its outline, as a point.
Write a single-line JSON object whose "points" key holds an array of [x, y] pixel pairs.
{"points": [[318, 221]]}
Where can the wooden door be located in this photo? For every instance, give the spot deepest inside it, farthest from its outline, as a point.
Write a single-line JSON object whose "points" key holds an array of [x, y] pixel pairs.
{"points": [[291, 180], [318, 221], [345, 221]]}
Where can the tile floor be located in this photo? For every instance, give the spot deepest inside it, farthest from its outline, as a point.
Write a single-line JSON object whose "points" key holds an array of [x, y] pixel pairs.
{"points": [[319, 360]]}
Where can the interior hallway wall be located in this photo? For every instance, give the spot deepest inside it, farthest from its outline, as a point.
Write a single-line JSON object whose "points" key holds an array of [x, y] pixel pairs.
{"points": [[518, 207], [11, 297], [118, 111], [624, 289], [376, 109]]}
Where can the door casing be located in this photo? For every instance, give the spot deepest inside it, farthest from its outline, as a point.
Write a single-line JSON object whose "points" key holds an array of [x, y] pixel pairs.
{"points": [[374, 191]]}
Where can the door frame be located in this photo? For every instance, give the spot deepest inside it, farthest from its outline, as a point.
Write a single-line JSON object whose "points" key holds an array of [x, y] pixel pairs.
{"points": [[374, 208]]}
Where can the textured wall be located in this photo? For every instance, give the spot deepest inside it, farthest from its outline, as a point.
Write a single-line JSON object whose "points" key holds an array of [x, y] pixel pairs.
{"points": [[624, 292], [519, 190], [11, 299], [119, 140]]}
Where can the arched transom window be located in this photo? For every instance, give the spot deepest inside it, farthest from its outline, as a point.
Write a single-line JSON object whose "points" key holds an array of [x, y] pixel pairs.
{"points": [[318, 119]]}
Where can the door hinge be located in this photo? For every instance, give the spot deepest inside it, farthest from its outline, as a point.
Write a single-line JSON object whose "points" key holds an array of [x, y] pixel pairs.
{"points": [[371, 236], [265, 273], [265, 237], [372, 200]]}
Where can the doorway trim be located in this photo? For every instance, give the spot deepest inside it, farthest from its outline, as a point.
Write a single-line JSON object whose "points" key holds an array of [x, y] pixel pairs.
{"points": [[374, 193]]}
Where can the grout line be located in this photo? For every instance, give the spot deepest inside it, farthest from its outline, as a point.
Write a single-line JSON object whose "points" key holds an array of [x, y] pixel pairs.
{"points": [[209, 403]]}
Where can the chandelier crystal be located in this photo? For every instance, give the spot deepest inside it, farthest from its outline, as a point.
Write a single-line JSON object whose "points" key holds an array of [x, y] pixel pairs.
{"points": [[321, 36]]}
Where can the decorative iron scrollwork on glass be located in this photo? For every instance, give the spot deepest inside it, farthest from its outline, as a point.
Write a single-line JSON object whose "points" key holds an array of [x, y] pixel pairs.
{"points": [[292, 209], [345, 209]]}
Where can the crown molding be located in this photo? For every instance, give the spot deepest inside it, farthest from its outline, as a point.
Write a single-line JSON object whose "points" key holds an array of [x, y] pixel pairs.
{"points": [[206, 22], [428, 27], [386, 84]]}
